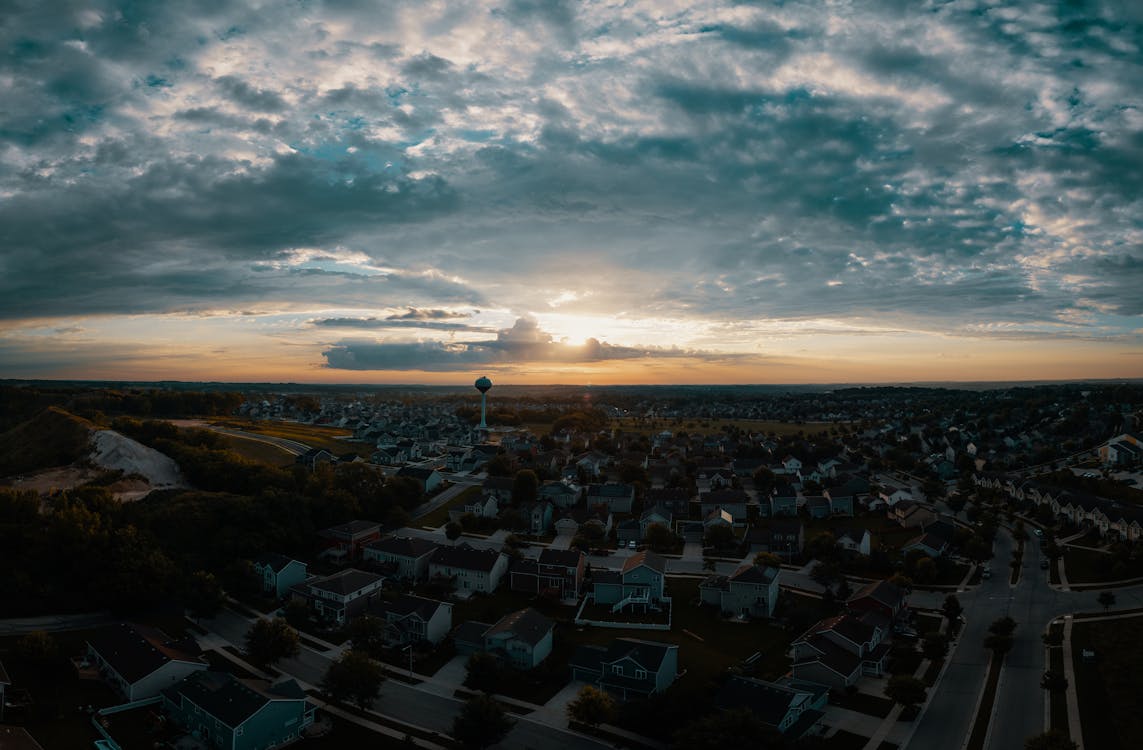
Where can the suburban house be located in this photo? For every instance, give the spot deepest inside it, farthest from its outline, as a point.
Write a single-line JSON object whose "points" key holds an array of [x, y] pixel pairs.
{"points": [[817, 506], [616, 497], [481, 506], [627, 531], [837, 651], [793, 711], [928, 544], [557, 573], [226, 712], [536, 517], [413, 619], [401, 557], [522, 639], [470, 569], [339, 597], [560, 494], [911, 515], [639, 583], [750, 591], [279, 573], [856, 540], [140, 662], [840, 504], [598, 517], [881, 597], [733, 502], [428, 479], [657, 514], [499, 488], [628, 668], [314, 456], [717, 517], [781, 537], [784, 501], [674, 500], [344, 543]]}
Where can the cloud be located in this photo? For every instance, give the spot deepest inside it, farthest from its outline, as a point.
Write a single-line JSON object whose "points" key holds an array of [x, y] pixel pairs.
{"points": [[524, 342]]}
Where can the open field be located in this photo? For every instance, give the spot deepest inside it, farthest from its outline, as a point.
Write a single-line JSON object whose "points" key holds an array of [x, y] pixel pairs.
{"points": [[1108, 688], [258, 452], [333, 439], [1090, 566]]}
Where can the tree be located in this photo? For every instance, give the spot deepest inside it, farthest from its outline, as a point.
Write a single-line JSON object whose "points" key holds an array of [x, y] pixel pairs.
{"points": [[1002, 626], [354, 678], [906, 689], [999, 637], [826, 573], [659, 538], [935, 646], [592, 707], [367, 634], [1054, 682], [720, 537], [271, 640], [525, 487], [952, 608], [481, 723], [453, 530], [203, 596], [483, 672], [709, 564], [38, 647], [768, 560], [925, 570], [1107, 600], [1053, 739], [727, 729]]}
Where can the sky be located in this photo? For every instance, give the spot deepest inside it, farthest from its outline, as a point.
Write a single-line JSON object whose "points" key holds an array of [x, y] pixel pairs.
{"points": [[551, 191]]}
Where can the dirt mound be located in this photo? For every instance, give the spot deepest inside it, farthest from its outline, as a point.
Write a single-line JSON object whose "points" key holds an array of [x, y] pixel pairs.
{"points": [[118, 452], [51, 438]]}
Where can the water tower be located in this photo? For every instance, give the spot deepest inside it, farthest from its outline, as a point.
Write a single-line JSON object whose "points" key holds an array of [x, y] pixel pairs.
{"points": [[483, 384]]}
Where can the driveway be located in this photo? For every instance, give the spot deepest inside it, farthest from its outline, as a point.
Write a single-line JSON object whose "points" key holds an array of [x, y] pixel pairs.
{"points": [[563, 541], [555, 711], [692, 552]]}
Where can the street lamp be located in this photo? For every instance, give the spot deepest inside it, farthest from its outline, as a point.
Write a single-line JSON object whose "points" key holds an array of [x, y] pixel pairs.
{"points": [[409, 648]]}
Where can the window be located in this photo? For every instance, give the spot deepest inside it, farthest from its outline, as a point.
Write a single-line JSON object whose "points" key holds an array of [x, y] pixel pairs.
{"points": [[616, 669], [640, 674]]}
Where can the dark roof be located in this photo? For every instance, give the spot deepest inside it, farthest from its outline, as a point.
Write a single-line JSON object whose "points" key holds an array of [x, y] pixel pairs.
{"points": [[724, 497], [135, 651], [648, 654], [832, 655], [932, 541], [403, 546], [526, 625], [470, 631], [274, 561], [17, 738], [766, 700], [646, 557], [881, 591], [568, 558], [850, 628], [407, 604], [611, 489], [416, 472], [666, 495], [345, 581], [352, 528], [467, 557], [226, 698], [755, 574], [715, 581]]}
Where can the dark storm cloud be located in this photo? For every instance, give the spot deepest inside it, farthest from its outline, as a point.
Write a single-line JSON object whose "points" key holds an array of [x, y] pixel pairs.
{"points": [[412, 319], [523, 342], [934, 167]]}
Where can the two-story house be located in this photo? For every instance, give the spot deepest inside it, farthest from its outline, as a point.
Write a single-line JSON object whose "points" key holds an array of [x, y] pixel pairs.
{"points": [[782, 537], [638, 585], [278, 574], [628, 668], [343, 543], [734, 502], [521, 639], [339, 597], [469, 569], [616, 497], [837, 651], [792, 711], [429, 479], [560, 494], [557, 573], [140, 662], [750, 591], [225, 712], [413, 619], [401, 557], [881, 597]]}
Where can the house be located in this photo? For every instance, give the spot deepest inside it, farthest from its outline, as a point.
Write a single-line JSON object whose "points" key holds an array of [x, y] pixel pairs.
{"points": [[836, 651], [839, 504], [140, 662], [629, 668], [598, 517], [657, 514], [313, 457], [627, 531], [429, 479], [226, 712], [557, 573], [927, 544], [817, 506], [344, 543], [793, 711], [856, 540], [413, 619], [673, 500], [733, 502], [912, 515], [560, 494], [279, 573], [781, 537], [717, 517], [784, 501], [638, 583], [499, 488], [339, 597], [401, 557], [470, 569], [879, 596], [616, 497], [791, 465], [537, 516], [522, 639], [750, 591]]}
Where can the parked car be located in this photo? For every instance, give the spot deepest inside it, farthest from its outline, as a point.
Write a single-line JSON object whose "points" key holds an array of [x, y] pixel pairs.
{"points": [[986, 573], [631, 544]]}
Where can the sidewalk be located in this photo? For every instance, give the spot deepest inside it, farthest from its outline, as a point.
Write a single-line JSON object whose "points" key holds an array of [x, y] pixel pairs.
{"points": [[1075, 727]]}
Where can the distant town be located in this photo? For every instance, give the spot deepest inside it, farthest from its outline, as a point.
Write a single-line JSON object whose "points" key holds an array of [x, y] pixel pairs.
{"points": [[222, 566]]}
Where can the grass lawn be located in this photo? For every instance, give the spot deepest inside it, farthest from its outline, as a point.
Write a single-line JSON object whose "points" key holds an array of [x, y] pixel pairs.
{"points": [[844, 740], [984, 713], [1089, 566], [315, 436], [1058, 700], [258, 452], [1108, 688], [439, 516], [872, 705]]}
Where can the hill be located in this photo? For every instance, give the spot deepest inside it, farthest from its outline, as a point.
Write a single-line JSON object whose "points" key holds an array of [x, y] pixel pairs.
{"points": [[51, 438]]}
